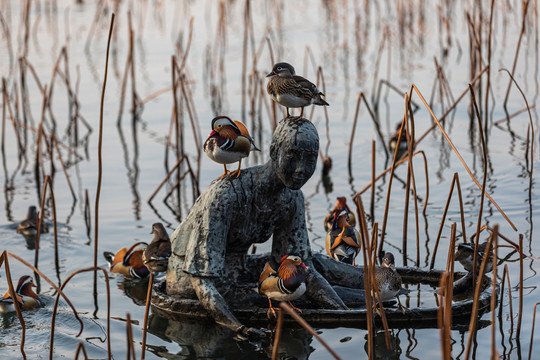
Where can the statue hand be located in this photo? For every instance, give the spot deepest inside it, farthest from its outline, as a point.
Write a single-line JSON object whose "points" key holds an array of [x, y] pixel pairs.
{"points": [[244, 333]]}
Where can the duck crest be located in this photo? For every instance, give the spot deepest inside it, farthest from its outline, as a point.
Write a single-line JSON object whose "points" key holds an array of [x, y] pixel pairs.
{"points": [[291, 275]]}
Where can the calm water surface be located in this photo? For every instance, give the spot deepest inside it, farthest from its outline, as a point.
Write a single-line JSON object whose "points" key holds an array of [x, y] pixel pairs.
{"points": [[357, 44]]}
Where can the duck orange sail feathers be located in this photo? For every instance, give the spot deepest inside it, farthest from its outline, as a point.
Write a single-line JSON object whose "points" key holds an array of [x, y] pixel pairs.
{"points": [[26, 297], [343, 241], [287, 284], [128, 262], [228, 142]]}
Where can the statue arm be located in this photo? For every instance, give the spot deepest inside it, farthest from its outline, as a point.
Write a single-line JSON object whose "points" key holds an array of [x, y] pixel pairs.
{"points": [[218, 308]]}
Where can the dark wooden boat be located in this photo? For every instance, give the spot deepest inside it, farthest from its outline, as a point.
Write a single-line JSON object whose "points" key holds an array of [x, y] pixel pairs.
{"points": [[350, 289]]}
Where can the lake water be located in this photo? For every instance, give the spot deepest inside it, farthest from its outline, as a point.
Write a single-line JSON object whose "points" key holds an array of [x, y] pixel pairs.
{"points": [[357, 44]]}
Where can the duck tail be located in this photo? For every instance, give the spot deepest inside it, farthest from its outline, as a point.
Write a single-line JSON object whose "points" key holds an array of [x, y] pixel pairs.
{"points": [[320, 101]]}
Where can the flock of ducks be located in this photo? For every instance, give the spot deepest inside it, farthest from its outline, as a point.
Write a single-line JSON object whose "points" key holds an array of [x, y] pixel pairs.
{"points": [[229, 142]]}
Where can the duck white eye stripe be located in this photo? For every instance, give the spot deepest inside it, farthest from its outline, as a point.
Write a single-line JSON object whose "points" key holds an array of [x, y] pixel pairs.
{"points": [[29, 280]]}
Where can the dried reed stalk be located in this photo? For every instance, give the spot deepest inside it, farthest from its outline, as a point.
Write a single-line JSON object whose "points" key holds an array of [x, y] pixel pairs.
{"points": [[532, 330], [46, 183], [361, 98], [277, 335], [501, 301], [461, 158], [127, 67], [13, 295], [447, 112], [520, 311], [368, 268], [389, 190], [55, 308], [129, 334], [455, 183], [493, 305], [477, 290], [36, 271], [522, 32], [285, 307], [100, 151], [484, 163], [146, 312], [80, 348]]}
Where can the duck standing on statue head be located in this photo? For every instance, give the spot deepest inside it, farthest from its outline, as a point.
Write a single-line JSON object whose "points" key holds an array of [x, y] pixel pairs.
{"points": [[292, 91], [156, 256], [287, 284], [228, 142]]}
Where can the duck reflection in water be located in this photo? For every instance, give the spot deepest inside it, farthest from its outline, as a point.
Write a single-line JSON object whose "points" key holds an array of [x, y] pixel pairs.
{"points": [[135, 289], [207, 340], [380, 350]]}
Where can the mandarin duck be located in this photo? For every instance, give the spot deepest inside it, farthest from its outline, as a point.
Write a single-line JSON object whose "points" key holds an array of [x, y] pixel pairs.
{"points": [[341, 205], [387, 280], [25, 295], [343, 240], [228, 142], [156, 256], [128, 262], [465, 255], [287, 284], [292, 91], [393, 142], [29, 225]]}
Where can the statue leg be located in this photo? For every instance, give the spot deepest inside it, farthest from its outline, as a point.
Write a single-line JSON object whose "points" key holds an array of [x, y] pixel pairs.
{"points": [[321, 292]]}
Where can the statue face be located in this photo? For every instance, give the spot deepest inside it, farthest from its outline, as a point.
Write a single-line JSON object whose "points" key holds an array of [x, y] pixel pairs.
{"points": [[294, 166]]}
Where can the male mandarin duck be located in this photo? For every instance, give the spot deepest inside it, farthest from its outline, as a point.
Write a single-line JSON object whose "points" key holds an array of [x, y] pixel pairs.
{"points": [[128, 262], [393, 142], [156, 256], [292, 91], [341, 205], [387, 280], [29, 225], [343, 240], [25, 295], [465, 255], [228, 142], [286, 285]]}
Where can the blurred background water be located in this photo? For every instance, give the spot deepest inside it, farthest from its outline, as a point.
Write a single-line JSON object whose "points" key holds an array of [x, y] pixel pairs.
{"points": [[358, 45]]}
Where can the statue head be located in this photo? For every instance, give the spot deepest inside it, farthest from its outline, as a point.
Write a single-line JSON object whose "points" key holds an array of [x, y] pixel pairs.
{"points": [[294, 151]]}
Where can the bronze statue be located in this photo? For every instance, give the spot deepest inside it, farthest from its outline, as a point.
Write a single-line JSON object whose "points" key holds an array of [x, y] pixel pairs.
{"points": [[209, 248]]}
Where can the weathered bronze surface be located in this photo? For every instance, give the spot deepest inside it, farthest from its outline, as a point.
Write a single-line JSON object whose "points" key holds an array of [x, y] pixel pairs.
{"points": [[209, 261]]}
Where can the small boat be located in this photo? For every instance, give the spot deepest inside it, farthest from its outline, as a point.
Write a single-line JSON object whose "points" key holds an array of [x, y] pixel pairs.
{"points": [[350, 289]]}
